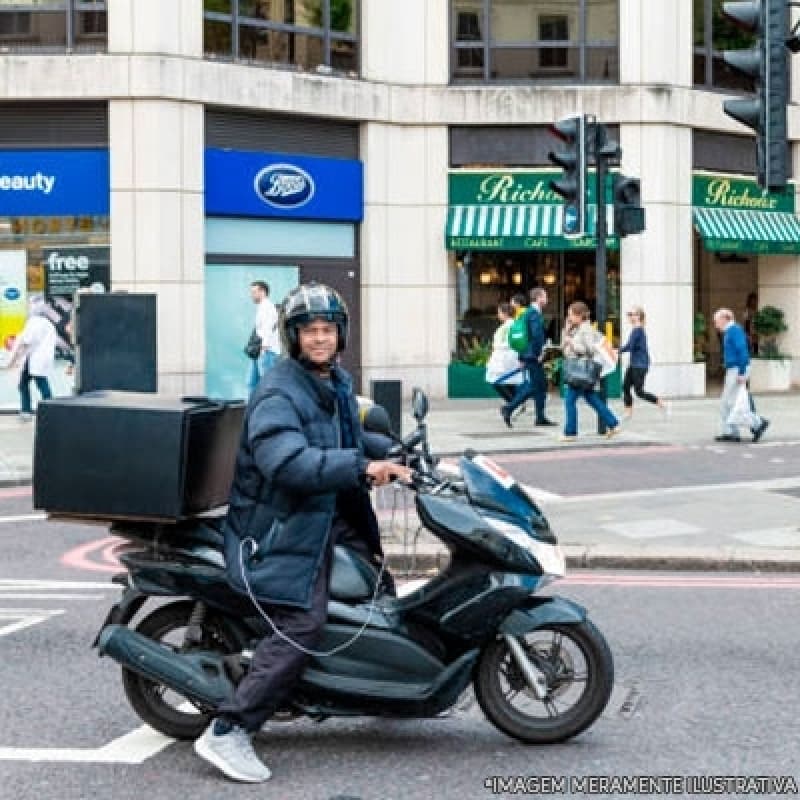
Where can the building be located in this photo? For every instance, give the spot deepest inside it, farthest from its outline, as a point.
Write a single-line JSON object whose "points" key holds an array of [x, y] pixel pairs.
{"points": [[182, 140]]}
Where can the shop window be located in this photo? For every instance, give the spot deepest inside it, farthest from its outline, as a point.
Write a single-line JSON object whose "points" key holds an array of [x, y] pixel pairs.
{"points": [[574, 41], [319, 35]]}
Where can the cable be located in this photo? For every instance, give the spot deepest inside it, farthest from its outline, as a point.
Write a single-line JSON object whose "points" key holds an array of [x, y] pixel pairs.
{"points": [[281, 634]]}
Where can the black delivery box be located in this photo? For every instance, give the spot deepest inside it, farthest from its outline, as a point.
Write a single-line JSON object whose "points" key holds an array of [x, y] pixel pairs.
{"points": [[134, 455]]}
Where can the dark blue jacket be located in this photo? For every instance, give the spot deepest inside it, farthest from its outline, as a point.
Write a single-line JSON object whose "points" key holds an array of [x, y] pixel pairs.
{"points": [[289, 472], [735, 350], [535, 335], [637, 347]]}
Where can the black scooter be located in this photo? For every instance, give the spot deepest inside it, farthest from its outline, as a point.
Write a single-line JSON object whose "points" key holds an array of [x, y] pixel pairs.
{"points": [[541, 671]]}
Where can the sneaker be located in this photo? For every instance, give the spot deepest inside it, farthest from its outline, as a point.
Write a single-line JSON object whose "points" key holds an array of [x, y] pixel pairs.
{"points": [[232, 753], [567, 438], [760, 430], [612, 432]]}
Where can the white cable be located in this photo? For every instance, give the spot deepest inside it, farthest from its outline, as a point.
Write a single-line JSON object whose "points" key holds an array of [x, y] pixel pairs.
{"points": [[281, 634]]}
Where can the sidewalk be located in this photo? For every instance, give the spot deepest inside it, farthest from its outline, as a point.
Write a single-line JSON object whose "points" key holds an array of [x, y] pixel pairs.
{"points": [[740, 526]]}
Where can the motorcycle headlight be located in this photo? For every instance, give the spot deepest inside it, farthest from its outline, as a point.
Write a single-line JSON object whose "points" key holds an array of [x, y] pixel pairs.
{"points": [[550, 556]]}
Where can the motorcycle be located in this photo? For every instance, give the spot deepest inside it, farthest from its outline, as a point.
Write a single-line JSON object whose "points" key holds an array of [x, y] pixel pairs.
{"points": [[541, 671]]}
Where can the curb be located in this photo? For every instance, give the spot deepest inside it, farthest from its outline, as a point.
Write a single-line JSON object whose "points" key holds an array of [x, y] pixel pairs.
{"points": [[433, 562]]}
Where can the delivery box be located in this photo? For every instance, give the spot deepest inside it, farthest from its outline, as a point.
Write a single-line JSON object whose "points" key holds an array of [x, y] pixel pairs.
{"points": [[117, 455]]}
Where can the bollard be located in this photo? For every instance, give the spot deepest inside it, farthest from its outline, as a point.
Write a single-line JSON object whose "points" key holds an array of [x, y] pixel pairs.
{"points": [[389, 394]]}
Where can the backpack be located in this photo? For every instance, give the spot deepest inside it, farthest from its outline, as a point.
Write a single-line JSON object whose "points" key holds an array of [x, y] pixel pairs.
{"points": [[518, 333]]}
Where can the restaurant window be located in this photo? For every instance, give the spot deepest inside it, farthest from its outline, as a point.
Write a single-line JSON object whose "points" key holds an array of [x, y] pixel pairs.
{"points": [[564, 41], [319, 35], [31, 26]]}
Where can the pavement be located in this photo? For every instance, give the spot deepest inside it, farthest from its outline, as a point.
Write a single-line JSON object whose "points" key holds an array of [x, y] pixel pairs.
{"points": [[745, 525]]}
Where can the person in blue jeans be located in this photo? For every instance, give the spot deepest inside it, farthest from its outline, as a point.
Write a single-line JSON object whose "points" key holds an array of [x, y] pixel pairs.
{"points": [[639, 364], [580, 340]]}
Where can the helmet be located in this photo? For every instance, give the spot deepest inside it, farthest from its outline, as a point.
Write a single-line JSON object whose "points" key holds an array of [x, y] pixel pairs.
{"points": [[306, 303]]}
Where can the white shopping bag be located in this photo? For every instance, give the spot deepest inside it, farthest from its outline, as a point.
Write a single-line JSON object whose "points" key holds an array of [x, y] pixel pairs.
{"points": [[605, 356], [740, 413]]}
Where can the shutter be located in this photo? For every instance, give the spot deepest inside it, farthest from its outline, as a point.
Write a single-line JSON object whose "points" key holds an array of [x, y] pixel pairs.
{"points": [[33, 126]]}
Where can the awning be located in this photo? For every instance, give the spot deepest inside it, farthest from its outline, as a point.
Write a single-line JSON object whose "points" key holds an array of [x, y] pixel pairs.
{"points": [[769, 232], [505, 227]]}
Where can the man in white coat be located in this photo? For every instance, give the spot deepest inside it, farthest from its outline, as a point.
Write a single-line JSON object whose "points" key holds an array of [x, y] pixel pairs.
{"points": [[35, 350], [266, 327]]}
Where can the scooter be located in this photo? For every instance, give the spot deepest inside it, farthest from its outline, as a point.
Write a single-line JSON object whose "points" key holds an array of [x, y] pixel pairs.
{"points": [[541, 671]]}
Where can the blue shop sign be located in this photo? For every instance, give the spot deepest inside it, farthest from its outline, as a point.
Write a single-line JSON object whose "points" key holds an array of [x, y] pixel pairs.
{"points": [[54, 183], [247, 184]]}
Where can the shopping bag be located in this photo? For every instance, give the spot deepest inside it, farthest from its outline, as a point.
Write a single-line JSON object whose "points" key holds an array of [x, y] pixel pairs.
{"points": [[605, 356], [740, 414]]}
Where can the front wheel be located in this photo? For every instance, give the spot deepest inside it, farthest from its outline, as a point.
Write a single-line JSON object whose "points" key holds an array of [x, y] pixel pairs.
{"points": [[579, 671]]}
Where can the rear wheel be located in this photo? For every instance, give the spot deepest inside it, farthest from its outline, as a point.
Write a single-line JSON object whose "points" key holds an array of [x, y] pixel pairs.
{"points": [[579, 672], [158, 706]]}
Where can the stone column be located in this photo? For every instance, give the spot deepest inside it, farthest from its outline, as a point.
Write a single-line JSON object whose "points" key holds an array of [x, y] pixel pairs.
{"points": [[156, 147], [407, 290]]}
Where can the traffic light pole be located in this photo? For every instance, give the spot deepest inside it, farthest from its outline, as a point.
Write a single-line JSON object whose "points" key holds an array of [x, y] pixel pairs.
{"points": [[601, 257]]}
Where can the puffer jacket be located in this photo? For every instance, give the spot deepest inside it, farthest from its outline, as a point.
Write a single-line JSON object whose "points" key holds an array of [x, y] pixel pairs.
{"points": [[289, 472]]}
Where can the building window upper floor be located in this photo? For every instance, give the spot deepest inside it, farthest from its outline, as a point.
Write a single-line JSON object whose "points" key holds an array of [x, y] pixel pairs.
{"points": [[713, 34], [53, 26], [544, 41], [302, 34]]}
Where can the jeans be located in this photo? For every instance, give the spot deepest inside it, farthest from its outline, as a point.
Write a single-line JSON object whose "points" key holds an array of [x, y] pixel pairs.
{"points": [[535, 386], [594, 400], [42, 384], [259, 367]]}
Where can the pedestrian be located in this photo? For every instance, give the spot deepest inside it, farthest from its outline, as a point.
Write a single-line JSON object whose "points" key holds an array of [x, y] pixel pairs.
{"points": [[736, 358], [535, 383], [265, 337], [504, 369], [300, 484], [638, 365], [580, 340], [35, 349]]}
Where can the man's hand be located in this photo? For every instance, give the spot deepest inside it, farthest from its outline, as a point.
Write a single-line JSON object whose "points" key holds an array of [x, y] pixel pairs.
{"points": [[379, 473]]}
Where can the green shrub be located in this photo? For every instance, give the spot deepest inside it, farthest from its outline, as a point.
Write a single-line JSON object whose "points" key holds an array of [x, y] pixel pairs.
{"points": [[768, 324]]}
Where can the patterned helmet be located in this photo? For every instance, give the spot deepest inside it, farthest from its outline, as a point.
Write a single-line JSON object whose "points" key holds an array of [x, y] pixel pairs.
{"points": [[306, 303]]}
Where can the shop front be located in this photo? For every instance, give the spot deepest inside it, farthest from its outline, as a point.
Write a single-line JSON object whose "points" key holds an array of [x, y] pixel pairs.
{"points": [[54, 240], [504, 231], [744, 239], [282, 219]]}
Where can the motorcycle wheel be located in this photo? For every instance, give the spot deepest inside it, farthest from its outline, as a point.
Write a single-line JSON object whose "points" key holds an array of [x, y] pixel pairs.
{"points": [[578, 667], [157, 705]]}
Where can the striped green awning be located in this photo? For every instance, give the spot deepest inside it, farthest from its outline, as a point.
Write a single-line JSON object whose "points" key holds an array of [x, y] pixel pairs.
{"points": [[768, 232], [532, 227]]}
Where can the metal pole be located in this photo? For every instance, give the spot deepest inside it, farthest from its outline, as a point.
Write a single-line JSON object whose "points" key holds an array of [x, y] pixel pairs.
{"points": [[601, 231]]}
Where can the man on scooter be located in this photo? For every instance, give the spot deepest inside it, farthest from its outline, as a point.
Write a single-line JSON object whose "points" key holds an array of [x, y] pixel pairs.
{"points": [[301, 483]]}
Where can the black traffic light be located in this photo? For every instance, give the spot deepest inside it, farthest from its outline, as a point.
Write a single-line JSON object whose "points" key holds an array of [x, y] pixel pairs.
{"points": [[767, 64], [628, 211], [573, 160]]}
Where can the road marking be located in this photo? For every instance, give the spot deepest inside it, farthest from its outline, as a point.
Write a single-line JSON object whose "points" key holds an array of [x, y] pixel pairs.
{"points": [[15, 492], [683, 581], [18, 596], [132, 748], [24, 518], [18, 619], [652, 528], [34, 583]]}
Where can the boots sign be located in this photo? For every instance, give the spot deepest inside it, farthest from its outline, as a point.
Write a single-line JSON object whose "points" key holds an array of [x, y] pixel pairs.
{"points": [[68, 269]]}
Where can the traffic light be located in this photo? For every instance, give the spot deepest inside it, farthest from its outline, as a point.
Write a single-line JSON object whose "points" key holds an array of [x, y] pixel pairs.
{"points": [[767, 64], [572, 185], [628, 211]]}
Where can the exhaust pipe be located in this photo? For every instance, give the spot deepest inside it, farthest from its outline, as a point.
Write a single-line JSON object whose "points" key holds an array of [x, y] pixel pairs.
{"points": [[199, 677]]}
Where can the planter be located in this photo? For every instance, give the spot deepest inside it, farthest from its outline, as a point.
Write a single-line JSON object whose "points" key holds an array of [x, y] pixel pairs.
{"points": [[465, 380], [770, 374]]}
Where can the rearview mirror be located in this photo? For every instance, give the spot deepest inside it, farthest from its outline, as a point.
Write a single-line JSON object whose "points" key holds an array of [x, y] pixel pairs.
{"points": [[419, 404], [376, 420]]}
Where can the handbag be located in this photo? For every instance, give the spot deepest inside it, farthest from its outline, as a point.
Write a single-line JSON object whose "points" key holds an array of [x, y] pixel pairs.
{"points": [[581, 373], [253, 347]]}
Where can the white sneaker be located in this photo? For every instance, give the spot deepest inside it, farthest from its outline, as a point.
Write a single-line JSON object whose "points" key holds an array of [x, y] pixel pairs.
{"points": [[232, 753]]}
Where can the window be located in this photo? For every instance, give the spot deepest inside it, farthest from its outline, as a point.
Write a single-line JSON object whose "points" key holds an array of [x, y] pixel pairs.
{"points": [[305, 34], [564, 41], [52, 25], [713, 34]]}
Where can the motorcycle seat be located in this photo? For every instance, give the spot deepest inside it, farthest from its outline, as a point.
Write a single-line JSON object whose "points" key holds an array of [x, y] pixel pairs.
{"points": [[353, 578]]}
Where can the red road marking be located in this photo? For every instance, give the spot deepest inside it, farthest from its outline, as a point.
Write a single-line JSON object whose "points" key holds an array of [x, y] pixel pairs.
{"points": [[15, 491], [82, 557]]}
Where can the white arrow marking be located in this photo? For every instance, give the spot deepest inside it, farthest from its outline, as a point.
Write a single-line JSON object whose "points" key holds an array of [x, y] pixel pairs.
{"points": [[24, 518], [25, 618]]}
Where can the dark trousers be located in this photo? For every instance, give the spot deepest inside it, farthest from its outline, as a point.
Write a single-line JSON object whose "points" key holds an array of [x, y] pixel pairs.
{"points": [[505, 390], [535, 386], [634, 379], [42, 384]]}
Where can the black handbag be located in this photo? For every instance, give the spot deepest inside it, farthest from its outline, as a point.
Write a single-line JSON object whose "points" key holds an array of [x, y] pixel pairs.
{"points": [[581, 373], [253, 347]]}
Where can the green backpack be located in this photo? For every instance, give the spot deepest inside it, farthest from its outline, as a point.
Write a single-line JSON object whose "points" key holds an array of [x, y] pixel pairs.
{"points": [[518, 333]]}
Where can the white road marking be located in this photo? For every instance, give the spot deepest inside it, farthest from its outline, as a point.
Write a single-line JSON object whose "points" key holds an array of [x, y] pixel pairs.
{"points": [[23, 518], [777, 461], [19, 596], [17, 619], [652, 528], [34, 584], [132, 748]]}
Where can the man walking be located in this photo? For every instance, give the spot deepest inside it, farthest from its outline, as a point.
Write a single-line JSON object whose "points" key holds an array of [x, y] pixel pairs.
{"points": [[266, 328], [736, 357], [535, 383]]}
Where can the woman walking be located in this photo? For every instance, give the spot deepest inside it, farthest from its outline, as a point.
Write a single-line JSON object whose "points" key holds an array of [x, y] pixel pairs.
{"points": [[504, 370], [638, 365], [580, 340]]}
